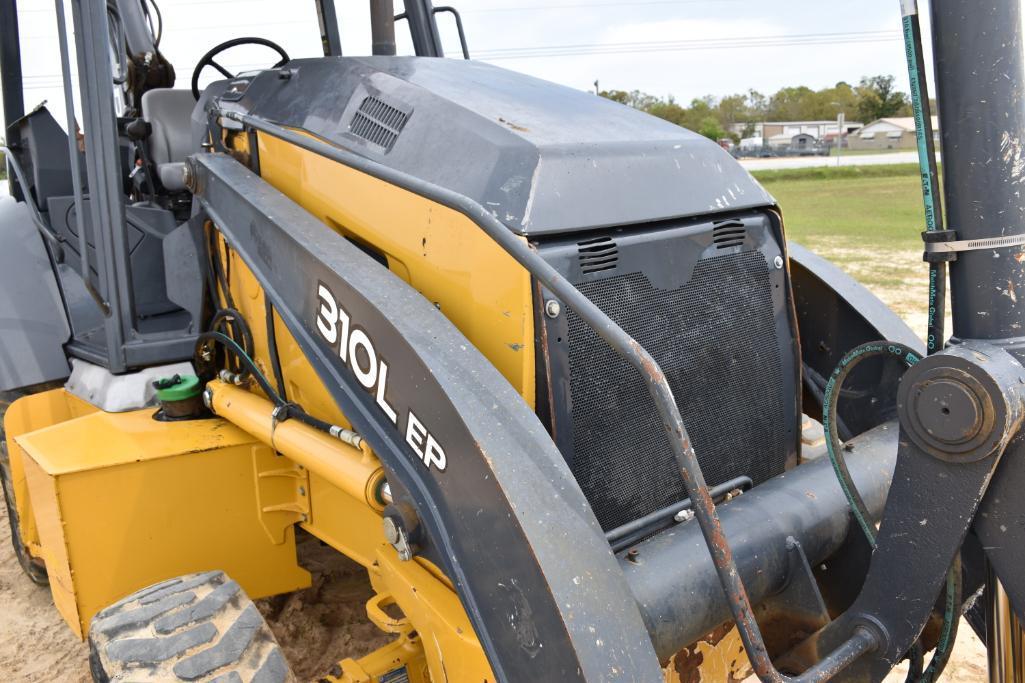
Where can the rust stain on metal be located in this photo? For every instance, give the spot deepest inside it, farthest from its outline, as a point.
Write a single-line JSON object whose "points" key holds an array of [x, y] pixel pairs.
{"points": [[687, 665], [512, 125], [648, 363], [718, 657], [716, 636]]}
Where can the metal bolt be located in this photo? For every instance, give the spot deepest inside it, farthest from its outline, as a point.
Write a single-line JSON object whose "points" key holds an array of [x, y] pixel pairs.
{"points": [[302, 491], [391, 531], [396, 537], [552, 308], [208, 398], [684, 516], [187, 177], [778, 262]]}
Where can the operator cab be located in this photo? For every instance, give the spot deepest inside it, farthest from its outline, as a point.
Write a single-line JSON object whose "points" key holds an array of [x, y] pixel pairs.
{"points": [[160, 122]]}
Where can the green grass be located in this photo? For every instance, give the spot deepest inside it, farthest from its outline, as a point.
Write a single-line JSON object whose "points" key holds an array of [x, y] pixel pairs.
{"points": [[867, 219], [837, 172], [865, 152], [863, 207], [855, 207]]}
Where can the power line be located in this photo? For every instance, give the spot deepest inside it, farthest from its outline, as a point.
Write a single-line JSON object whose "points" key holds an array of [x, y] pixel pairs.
{"points": [[733, 43], [551, 51], [471, 10], [592, 5], [699, 41]]}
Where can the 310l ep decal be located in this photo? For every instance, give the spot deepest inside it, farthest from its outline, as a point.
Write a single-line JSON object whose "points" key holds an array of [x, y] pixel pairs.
{"points": [[356, 350]]}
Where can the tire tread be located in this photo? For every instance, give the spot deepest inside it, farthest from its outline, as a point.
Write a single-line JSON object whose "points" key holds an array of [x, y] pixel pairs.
{"points": [[200, 627]]}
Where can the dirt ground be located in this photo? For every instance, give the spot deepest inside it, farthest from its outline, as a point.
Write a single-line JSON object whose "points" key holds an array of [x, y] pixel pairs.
{"points": [[316, 627]]}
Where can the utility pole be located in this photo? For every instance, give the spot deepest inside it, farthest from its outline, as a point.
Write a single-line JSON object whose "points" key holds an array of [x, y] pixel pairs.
{"points": [[841, 123], [597, 91]]}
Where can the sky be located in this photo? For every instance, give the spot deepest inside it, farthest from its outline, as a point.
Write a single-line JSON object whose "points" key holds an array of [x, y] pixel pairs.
{"points": [[684, 48]]}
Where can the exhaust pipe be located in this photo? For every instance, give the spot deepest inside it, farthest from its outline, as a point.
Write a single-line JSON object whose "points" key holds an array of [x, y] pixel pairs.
{"points": [[672, 576]]}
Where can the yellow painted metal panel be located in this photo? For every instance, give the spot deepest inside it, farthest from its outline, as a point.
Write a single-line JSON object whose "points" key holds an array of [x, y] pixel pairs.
{"points": [[107, 439], [440, 252], [27, 414], [346, 524], [719, 657], [52, 543], [450, 643], [125, 501]]}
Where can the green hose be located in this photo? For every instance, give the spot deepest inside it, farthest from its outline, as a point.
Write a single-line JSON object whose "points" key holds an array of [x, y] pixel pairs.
{"points": [[859, 510], [927, 165], [937, 283], [906, 355]]}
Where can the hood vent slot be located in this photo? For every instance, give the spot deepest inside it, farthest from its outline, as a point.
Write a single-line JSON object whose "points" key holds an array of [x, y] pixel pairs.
{"points": [[728, 234], [597, 254], [377, 122]]}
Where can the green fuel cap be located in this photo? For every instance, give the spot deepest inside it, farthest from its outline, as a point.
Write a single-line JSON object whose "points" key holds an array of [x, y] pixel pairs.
{"points": [[178, 388]]}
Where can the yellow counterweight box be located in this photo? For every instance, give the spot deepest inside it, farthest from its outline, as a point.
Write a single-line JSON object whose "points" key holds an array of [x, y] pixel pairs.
{"points": [[121, 501]]}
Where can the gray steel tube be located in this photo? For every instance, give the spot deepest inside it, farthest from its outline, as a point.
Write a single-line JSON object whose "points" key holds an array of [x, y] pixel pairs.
{"points": [[672, 575], [382, 27], [980, 79]]}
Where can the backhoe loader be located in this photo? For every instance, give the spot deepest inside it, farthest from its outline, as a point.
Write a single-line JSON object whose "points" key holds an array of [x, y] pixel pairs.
{"points": [[537, 361]]}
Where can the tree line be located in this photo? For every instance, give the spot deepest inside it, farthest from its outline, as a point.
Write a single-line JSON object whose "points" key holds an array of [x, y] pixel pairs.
{"points": [[874, 97]]}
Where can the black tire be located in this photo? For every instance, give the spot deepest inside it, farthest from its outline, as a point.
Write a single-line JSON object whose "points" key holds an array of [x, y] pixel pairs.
{"points": [[33, 567], [198, 627]]}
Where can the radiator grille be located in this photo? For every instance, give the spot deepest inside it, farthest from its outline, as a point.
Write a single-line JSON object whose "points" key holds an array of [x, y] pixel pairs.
{"points": [[715, 338], [377, 122]]}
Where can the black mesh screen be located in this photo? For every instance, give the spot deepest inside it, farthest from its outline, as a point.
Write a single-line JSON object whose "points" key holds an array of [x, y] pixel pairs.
{"points": [[715, 338]]}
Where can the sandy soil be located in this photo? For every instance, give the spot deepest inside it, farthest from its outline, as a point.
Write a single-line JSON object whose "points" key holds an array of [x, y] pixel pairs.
{"points": [[316, 627], [35, 643], [327, 622]]}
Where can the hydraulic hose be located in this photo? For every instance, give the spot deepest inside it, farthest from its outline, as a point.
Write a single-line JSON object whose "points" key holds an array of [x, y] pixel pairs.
{"points": [[272, 347], [934, 341], [834, 449], [283, 409], [927, 166], [53, 238], [859, 510], [937, 285]]}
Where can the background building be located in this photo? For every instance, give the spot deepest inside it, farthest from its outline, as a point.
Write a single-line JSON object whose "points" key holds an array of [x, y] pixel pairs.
{"points": [[820, 130], [890, 133]]}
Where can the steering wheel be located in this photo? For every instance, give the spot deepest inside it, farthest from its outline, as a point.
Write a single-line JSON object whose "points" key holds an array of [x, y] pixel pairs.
{"points": [[208, 59]]}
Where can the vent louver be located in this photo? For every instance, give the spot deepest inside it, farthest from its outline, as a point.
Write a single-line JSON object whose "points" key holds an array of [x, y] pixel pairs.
{"points": [[597, 254], [377, 122], [728, 234]]}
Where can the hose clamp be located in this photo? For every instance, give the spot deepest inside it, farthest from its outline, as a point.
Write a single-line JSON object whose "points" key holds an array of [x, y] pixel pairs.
{"points": [[943, 245]]}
